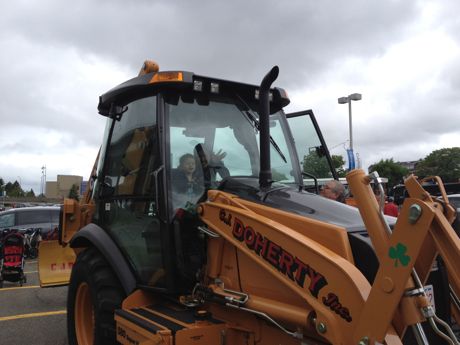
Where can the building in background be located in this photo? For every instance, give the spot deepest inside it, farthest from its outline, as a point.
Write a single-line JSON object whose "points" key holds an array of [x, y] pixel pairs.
{"points": [[61, 187], [410, 165]]}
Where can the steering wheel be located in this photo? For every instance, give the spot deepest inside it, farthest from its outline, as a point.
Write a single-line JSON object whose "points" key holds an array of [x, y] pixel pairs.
{"points": [[204, 166]]}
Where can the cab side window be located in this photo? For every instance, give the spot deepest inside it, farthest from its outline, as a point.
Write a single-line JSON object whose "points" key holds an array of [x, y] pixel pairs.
{"points": [[132, 151]]}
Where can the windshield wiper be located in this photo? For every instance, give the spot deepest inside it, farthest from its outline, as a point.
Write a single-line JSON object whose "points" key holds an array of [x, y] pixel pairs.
{"points": [[256, 125], [277, 148], [252, 119]]}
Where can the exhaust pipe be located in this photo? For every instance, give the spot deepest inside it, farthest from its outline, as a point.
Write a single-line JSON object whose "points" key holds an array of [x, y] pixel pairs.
{"points": [[265, 173]]}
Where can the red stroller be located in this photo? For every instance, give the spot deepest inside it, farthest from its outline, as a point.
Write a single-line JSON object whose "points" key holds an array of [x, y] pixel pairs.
{"points": [[12, 258]]}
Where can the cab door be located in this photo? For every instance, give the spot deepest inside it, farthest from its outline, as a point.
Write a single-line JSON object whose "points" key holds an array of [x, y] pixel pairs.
{"points": [[129, 196], [313, 153]]}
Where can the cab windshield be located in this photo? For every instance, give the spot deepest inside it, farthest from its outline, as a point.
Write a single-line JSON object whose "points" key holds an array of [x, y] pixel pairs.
{"points": [[219, 139]]}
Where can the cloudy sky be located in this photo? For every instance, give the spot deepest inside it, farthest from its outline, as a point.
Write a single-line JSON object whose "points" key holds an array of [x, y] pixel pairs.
{"points": [[57, 57]]}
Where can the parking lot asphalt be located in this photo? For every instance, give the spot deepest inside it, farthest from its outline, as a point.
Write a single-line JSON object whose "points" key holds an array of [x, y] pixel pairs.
{"points": [[30, 314]]}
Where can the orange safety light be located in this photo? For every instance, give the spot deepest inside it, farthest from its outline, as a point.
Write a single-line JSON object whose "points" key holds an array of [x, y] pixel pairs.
{"points": [[166, 76]]}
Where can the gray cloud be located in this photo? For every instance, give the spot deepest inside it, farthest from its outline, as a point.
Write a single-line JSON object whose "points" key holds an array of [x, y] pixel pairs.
{"points": [[49, 49], [238, 39]]}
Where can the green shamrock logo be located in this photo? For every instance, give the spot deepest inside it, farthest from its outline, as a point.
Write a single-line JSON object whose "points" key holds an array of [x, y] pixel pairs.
{"points": [[398, 253]]}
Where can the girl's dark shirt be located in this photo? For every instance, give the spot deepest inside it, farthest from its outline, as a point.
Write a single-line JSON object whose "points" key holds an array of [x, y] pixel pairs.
{"points": [[181, 184]]}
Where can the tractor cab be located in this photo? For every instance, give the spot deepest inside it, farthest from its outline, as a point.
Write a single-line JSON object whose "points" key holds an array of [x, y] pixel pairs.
{"points": [[170, 138], [173, 136]]}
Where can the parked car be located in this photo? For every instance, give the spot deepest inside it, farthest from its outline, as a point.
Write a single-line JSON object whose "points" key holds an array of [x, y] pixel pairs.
{"points": [[399, 191], [44, 217]]}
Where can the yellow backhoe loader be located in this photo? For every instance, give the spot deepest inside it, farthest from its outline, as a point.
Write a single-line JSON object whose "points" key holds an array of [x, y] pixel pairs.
{"points": [[198, 229]]}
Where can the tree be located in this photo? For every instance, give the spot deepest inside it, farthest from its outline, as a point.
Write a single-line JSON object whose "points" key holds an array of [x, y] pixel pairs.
{"points": [[73, 193], [444, 163], [390, 169], [338, 162], [14, 189], [277, 176], [316, 165]]}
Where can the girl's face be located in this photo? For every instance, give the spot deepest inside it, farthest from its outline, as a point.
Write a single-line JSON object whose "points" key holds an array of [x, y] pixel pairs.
{"points": [[189, 165]]}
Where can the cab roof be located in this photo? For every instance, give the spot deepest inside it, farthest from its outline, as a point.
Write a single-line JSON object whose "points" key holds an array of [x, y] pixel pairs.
{"points": [[185, 82]]}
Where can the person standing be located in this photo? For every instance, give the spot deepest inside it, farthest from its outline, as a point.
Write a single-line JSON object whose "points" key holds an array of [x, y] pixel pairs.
{"points": [[333, 190], [390, 208]]}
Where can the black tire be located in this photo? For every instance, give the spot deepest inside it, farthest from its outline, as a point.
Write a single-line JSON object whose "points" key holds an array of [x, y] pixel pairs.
{"points": [[92, 272]]}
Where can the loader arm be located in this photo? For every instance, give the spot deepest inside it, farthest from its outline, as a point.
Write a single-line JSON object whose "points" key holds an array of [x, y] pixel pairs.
{"points": [[339, 303], [334, 292], [403, 270], [442, 239]]}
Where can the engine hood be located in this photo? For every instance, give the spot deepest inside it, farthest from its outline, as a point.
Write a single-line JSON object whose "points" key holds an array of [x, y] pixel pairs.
{"points": [[291, 199]]}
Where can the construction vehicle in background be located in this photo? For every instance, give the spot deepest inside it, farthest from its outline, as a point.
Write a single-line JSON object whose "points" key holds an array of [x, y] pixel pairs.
{"points": [[225, 253]]}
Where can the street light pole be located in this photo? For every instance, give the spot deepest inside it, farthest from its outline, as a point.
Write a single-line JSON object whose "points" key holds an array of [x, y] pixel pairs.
{"points": [[348, 99], [43, 181], [350, 125]]}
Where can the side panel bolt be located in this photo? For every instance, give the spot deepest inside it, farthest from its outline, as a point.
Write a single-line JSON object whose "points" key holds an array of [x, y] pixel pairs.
{"points": [[321, 328], [364, 341], [415, 211]]}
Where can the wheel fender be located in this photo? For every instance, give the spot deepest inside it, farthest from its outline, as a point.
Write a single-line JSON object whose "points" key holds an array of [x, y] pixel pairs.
{"points": [[94, 235]]}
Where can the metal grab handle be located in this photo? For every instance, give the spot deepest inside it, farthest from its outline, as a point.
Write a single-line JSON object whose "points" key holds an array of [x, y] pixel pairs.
{"points": [[208, 232], [155, 179]]}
